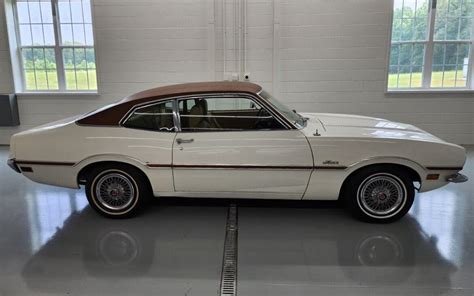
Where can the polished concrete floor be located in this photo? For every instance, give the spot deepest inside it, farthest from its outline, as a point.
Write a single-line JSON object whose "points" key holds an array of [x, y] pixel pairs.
{"points": [[51, 242]]}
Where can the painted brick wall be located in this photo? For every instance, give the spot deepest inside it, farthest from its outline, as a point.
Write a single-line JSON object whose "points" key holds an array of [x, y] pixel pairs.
{"points": [[327, 56], [334, 57]]}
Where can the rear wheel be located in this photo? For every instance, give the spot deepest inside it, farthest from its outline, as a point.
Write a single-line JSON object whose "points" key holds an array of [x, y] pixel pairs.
{"points": [[379, 194], [117, 191]]}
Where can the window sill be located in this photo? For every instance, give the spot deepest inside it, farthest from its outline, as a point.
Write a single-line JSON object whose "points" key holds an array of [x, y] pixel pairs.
{"points": [[429, 91], [77, 94]]}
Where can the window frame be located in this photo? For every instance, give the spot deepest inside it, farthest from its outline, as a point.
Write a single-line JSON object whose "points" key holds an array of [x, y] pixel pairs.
{"points": [[18, 62], [228, 95], [428, 58], [176, 119], [137, 107]]}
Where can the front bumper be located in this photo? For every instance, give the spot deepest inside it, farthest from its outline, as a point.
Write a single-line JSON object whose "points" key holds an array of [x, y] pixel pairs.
{"points": [[457, 178], [12, 163]]}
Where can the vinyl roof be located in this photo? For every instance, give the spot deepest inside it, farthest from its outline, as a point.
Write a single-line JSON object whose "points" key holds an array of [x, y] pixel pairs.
{"points": [[112, 114], [196, 87]]}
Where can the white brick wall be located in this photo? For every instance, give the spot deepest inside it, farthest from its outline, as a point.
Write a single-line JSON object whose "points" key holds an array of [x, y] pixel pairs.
{"points": [[334, 60], [331, 58]]}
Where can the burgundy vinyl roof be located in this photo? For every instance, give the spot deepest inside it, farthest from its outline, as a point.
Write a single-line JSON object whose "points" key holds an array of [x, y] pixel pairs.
{"points": [[112, 115], [196, 88]]}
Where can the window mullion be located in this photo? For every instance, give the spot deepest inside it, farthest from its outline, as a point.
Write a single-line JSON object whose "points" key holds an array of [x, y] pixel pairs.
{"points": [[470, 65], [427, 69], [57, 49], [19, 48], [470, 72]]}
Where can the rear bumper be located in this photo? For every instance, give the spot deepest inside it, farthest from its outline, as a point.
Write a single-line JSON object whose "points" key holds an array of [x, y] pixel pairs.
{"points": [[457, 178], [12, 163]]}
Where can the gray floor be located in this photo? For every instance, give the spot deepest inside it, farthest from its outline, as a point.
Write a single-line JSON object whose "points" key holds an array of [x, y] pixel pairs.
{"points": [[52, 243]]}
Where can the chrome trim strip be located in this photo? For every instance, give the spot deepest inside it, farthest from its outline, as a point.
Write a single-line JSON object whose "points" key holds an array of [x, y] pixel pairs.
{"points": [[385, 157], [176, 118], [144, 105], [235, 95], [227, 116], [237, 167], [36, 162], [252, 97], [275, 110], [112, 158]]}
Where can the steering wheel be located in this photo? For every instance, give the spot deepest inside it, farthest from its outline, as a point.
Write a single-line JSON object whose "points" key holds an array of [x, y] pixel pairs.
{"points": [[260, 122]]}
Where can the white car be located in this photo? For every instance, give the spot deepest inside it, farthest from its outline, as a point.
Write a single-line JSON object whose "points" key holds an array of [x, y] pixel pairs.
{"points": [[234, 140]]}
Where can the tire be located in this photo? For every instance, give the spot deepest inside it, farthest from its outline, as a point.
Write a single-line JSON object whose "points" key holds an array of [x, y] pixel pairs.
{"points": [[379, 194], [117, 190]]}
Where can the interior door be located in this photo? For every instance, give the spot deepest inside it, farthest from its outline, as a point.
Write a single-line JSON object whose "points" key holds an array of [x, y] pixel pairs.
{"points": [[259, 158]]}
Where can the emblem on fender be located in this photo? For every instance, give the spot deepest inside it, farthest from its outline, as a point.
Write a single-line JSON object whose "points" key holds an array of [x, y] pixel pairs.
{"points": [[331, 162]]}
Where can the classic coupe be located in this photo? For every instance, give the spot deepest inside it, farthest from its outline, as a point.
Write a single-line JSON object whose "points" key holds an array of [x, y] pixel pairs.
{"points": [[234, 140]]}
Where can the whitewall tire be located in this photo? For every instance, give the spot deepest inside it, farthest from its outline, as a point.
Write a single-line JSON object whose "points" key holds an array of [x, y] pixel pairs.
{"points": [[116, 190], [380, 194]]}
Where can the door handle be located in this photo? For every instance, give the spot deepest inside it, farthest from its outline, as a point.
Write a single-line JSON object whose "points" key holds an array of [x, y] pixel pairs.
{"points": [[182, 141]]}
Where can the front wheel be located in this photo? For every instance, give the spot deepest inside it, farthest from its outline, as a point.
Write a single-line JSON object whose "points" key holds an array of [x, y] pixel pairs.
{"points": [[117, 191], [379, 194]]}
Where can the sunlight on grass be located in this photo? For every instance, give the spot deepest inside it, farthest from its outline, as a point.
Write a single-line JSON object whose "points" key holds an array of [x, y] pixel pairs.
{"points": [[436, 80], [49, 80]]}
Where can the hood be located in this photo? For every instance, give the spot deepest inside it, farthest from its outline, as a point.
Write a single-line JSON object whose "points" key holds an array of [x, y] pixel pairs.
{"points": [[350, 126]]}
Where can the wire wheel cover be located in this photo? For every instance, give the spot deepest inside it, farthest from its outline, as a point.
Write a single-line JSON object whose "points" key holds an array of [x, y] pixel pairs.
{"points": [[381, 194], [115, 191]]}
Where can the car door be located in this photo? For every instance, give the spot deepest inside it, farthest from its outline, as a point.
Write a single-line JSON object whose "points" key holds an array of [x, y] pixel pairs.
{"points": [[149, 137], [230, 146]]}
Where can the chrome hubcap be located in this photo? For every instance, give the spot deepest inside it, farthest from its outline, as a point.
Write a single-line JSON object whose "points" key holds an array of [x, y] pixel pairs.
{"points": [[115, 191], [381, 195]]}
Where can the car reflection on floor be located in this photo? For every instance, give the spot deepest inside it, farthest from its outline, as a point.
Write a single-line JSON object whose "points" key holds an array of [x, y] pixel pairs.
{"points": [[323, 247], [181, 243]]}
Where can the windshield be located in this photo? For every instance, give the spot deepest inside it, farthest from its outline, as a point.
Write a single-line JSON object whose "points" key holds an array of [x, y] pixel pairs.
{"points": [[291, 115]]}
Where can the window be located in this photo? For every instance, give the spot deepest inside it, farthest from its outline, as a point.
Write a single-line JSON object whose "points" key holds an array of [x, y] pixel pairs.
{"points": [[158, 117], [56, 45], [294, 117], [225, 114], [431, 45]]}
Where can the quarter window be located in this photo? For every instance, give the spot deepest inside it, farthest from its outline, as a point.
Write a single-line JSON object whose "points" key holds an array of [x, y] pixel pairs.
{"points": [[158, 117], [225, 114]]}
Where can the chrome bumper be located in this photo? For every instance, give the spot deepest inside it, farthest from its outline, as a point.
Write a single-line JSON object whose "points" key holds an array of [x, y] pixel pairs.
{"points": [[12, 163], [457, 178]]}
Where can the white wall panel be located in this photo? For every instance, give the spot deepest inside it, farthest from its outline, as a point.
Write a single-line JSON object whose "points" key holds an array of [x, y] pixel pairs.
{"points": [[331, 57]]}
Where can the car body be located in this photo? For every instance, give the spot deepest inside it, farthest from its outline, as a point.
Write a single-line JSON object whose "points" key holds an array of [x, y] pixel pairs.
{"points": [[231, 140]]}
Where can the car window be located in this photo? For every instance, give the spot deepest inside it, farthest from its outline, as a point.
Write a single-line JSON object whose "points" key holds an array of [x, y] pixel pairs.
{"points": [[157, 117], [225, 114], [291, 115]]}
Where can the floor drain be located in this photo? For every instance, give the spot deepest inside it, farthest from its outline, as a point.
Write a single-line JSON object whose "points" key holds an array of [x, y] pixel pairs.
{"points": [[229, 262]]}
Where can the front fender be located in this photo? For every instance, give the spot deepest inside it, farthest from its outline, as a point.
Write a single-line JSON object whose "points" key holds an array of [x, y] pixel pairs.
{"points": [[326, 184], [418, 168]]}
